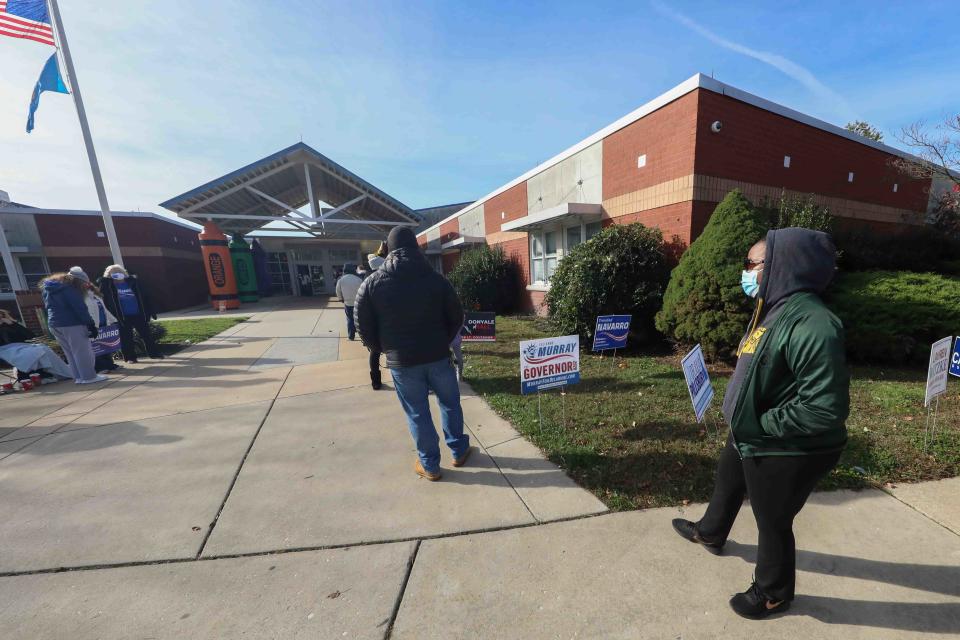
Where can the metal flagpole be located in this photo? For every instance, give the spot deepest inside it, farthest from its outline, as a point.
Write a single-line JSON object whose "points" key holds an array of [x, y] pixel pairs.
{"points": [[87, 139]]}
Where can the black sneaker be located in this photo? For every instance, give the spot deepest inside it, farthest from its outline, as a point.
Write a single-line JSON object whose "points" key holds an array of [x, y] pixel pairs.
{"points": [[688, 530], [756, 606]]}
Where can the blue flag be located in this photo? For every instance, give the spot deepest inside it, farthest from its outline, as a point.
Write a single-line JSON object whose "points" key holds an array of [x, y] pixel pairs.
{"points": [[50, 80]]}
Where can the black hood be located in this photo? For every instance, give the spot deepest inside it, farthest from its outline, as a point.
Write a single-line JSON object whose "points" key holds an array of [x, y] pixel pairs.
{"points": [[350, 268], [796, 260], [406, 262]]}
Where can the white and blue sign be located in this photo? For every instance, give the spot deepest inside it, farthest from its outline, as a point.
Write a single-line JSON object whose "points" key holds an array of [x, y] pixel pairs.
{"points": [[611, 332], [698, 381], [549, 363], [107, 340], [955, 359]]}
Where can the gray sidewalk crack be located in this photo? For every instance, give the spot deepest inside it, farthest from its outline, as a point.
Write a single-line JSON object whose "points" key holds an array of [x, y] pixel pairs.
{"points": [[236, 475], [925, 515], [403, 589]]}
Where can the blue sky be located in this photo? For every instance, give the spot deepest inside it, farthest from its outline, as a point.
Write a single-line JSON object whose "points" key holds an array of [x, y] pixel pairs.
{"points": [[433, 102]]}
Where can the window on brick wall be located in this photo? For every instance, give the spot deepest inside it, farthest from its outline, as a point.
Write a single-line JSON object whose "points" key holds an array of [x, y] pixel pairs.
{"points": [[548, 246]]}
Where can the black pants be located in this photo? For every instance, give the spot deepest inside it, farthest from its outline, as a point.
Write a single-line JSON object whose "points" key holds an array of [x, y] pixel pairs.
{"points": [[778, 487], [375, 364], [127, 345]]}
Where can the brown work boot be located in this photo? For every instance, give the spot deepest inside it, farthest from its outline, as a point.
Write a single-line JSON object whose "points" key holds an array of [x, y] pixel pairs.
{"points": [[462, 460], [423, 473]]}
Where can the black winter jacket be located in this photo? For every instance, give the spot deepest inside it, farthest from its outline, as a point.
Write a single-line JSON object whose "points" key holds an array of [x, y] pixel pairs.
{"points": [[408, 311], [112, 300]]}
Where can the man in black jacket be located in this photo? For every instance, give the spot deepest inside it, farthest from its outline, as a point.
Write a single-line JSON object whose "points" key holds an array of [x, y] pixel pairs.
{"points": [[410, 312]]}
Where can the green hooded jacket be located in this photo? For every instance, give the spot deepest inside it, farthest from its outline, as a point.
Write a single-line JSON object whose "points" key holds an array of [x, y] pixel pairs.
{"points": [[792, 393]]}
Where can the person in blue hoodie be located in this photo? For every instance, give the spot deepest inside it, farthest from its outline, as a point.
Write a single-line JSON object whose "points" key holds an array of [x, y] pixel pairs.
{"points": [[71, 324]]}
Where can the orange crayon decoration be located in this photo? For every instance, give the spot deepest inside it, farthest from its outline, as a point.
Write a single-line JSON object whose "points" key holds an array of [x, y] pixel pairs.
{"points": [[216, 260]]}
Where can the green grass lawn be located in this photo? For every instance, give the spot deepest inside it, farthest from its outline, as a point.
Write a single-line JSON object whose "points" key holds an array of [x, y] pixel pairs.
{"points": [[183, 333], [627, 431]]}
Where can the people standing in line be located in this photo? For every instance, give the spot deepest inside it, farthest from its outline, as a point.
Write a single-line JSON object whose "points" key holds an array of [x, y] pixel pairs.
{"points": [[98, 311], [71, 325], [787, 404], [347, 287], [126, 299], [411, 313], [376, 260]]}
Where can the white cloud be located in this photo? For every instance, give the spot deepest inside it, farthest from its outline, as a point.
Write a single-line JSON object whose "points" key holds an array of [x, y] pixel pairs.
{"points": [[786, 66]]}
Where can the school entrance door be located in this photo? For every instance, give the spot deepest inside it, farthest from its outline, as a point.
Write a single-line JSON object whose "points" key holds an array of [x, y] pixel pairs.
{"points": [[311, 279]]}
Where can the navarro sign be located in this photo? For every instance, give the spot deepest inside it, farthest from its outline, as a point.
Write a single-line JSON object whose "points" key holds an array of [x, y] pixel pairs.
{"points": [[480, 326], [698, 381], [107, 340], [611, 332], [549, 363]]}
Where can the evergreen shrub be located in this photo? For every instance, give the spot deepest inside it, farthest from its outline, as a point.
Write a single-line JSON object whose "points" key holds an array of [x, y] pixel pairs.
{"points": [[486, 280]]}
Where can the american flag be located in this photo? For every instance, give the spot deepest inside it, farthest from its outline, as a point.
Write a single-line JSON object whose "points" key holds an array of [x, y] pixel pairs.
{"points": [[26, 19]]}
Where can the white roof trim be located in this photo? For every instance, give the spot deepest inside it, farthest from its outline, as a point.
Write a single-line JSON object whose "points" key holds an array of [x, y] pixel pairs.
{"points": [[554, 214], [462, 240], [86, 212], [698, 81]]}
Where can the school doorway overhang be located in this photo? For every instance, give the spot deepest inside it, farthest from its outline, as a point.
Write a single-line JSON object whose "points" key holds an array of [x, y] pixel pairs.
{"points": [[267, 196]]}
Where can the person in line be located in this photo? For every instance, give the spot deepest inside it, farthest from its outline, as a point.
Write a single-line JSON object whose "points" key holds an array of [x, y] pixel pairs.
{"points": [[28, 357], [411, 313], [71, 325], [376, 260], [347, 287], [787, 404], [125, 298], [98, 311]]}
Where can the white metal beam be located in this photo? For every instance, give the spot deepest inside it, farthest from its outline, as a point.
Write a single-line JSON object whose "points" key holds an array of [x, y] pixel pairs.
{"points": [[359, 188], [279, 203], [314, 208], [343, 207], [8, 262], [232, 190]]}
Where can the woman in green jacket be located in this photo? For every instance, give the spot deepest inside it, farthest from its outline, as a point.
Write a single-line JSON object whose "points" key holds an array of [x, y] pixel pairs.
{"points": [[786, 404]]}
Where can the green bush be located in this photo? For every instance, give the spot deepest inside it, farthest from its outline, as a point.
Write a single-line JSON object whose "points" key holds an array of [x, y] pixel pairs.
{"points": [[794, 211], [892, 317], [485, 279], [704, 302], [920, 249], [621, 270]]}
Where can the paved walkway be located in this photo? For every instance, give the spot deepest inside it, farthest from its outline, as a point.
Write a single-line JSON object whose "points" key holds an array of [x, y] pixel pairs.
{"points": [[254, 485]]}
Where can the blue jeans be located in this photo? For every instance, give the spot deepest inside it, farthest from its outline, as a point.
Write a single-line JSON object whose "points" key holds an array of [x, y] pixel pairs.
{"points": [[412, 385], [351, 330]]}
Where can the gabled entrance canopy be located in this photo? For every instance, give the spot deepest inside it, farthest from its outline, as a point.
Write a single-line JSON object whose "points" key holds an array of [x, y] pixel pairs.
{"points": [[274, 188]]}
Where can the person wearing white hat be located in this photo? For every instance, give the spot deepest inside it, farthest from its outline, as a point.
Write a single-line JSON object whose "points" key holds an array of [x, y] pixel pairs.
{"points": [[125, 298]]}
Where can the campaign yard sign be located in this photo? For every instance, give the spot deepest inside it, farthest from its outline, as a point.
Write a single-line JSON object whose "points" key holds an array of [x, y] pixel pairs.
{"points": [[937, 369], [698, 381], [480, 326], [955, 359], [549, 363], [611, 332], [107, 340]]}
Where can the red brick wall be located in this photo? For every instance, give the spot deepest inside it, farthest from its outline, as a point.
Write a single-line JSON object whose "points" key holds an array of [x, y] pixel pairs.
{"points": [[512, 202], [449, 260], [81, 231], [519, 251], [450, 230], [667, 137], [673, 220], [753, 142]]}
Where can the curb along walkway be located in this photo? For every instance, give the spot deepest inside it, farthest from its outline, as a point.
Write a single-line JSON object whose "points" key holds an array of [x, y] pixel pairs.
{"points": [[255, 485]]}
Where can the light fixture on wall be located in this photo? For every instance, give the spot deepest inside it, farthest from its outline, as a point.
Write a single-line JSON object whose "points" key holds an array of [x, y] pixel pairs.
{"points": [[641, 161], [786, 162], [716, 126]]}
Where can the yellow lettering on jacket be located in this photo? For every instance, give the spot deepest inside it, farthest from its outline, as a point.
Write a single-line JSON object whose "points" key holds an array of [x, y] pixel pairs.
{"points": [[750, 346]]}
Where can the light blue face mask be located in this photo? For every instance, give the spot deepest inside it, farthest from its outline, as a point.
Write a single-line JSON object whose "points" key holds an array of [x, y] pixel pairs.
{"points": [[117, 276], [748, 280]]}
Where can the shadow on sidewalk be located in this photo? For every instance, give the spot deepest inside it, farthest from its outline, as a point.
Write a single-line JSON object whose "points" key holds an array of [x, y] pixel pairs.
{"points": [[909, 616]]}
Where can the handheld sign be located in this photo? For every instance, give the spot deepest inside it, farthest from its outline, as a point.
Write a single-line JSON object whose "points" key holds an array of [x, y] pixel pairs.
{"points": [[480, 326], [955, 359], [611, 332], [549, 363], [107, 340], [698, 381], [937, 369]]}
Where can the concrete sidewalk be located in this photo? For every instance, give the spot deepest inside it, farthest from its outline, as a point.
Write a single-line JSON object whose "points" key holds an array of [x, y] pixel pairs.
{"points": [[255, 485]]}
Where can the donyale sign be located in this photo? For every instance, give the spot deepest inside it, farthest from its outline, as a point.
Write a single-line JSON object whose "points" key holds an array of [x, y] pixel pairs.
{"points": [[549, 363]]}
